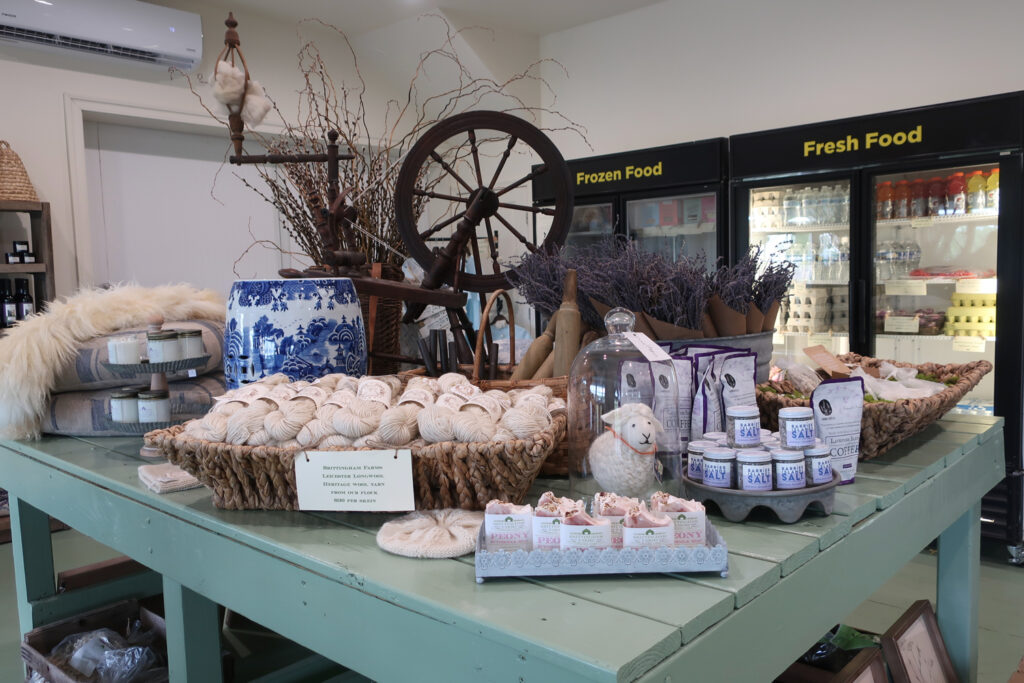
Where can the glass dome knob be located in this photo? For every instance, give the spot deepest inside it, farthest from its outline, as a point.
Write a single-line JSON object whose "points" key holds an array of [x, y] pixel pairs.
{"points": [[619, 320]]}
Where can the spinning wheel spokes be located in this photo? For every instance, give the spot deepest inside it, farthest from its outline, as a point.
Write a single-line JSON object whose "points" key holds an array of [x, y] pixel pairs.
{"points": [[445, 172]]}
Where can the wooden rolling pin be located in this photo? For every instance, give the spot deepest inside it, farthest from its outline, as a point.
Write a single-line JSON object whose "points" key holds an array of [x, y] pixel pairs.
{"points": [[546, 368], [567, 336], [538, 351]]}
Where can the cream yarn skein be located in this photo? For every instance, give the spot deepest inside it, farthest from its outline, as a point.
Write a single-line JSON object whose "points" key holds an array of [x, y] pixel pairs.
{"points": [[399, 425], [526, 420], [473, 423], [285, 423], [435, 424]]}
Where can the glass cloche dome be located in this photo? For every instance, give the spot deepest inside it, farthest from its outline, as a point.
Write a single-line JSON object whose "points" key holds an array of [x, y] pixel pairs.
{"points": [[623, 415]]}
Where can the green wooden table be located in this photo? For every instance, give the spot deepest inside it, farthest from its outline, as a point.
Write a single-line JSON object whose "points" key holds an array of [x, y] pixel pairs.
{"points": [[319, 578]]}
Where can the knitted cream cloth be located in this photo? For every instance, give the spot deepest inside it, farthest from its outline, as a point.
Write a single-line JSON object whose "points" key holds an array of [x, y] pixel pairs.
{"points": [[431, 533], [167, 478]]}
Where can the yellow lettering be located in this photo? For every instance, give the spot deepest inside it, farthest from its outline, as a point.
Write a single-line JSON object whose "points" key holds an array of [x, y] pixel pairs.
{"points": [[852, 143], [616, 174], [830, 148], [899, 138], [808, 147], [914, 135], [869, 139], [657, 168], [841, 146], [580, 178]]}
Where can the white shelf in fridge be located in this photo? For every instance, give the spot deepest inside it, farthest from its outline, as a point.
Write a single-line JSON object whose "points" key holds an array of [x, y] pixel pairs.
{"points": [[815, 334], [820, 283], [674, 230], [959, 219], [827, 227], [935, 337], [932, 281]]}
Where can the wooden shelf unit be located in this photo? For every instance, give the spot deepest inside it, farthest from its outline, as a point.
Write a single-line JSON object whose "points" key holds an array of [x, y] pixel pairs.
{"points": [[41, 238]]}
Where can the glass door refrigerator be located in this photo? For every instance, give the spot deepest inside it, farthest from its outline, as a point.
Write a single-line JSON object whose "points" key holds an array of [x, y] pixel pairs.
{"points": [[669, 200], [906, 231]]}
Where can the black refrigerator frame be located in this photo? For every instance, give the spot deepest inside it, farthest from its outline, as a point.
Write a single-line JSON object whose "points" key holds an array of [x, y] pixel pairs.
{"points": [[982, 130], [687, 168]]}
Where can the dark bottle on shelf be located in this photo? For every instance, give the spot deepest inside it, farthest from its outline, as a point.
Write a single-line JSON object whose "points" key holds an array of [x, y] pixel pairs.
{"points": [[8, 309], [24, 306]]}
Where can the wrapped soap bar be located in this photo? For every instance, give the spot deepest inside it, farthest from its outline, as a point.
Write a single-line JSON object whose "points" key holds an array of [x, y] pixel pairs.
{"points": [[645, 529], [689, 518], [613, 507], [548, 517], [508, 526], [580, 530]]}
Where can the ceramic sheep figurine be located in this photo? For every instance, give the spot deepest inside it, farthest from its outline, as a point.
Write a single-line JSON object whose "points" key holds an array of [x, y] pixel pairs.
{"points": [[622, 459]]}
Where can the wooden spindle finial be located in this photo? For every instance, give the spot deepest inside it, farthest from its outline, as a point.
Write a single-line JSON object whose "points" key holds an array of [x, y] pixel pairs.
{"points": [[231, 38]]}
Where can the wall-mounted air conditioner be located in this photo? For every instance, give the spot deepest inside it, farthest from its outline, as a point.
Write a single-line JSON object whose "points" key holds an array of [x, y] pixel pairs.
{"points": [[124, 29]]}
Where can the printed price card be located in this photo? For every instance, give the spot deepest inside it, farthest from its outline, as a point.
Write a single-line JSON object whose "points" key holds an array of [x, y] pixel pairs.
{"points": [[363, 481], [976, 286], [647, 346], [823, 338], [902, 324], [970, 344], [920, 222], [906, 287]]}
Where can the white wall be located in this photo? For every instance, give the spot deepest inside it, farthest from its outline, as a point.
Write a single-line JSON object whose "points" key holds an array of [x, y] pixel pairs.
{"points": [[683, 70]]}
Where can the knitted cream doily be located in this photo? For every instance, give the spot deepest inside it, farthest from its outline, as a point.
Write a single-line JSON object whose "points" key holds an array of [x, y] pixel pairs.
{"points": [[431, 533]]}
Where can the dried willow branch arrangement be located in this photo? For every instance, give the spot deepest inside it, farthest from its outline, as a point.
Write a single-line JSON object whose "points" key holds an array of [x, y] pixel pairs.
{"points": [[299, 191]]}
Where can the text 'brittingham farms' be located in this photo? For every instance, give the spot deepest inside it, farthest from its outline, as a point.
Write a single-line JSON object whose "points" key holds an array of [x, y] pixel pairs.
{"points": [[629, 173], [852, 143]]}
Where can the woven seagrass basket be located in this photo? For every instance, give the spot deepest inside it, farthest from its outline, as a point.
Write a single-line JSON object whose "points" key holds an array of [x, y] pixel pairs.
{"points": [[883, 425], [445, 475], [14, 182]]}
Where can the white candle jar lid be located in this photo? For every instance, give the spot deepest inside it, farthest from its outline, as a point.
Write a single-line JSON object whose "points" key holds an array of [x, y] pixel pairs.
{"points": [[754, 457], [714, 436], [796, 412], [700, 446], [787, 455], [742, 411], [817, 449], [723, 454]]}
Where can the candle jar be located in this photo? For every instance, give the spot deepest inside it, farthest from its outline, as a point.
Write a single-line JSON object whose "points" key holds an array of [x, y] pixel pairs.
{"points": [[788, 469], [191, 343], [695, 458], [818, 465], [796, 427], [124, 405], [123, 351], [718, 467], [163, 346], [154, 406], [721, 437], [754, 470], [743, 426]]}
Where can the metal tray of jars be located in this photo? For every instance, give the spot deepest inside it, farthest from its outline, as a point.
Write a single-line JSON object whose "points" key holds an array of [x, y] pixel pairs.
{"points": [[788, 504], [147, 368], [711, 557]]}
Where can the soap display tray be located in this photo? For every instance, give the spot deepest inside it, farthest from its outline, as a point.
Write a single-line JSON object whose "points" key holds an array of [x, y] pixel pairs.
{"points": [[789, 505], [712, 557]]}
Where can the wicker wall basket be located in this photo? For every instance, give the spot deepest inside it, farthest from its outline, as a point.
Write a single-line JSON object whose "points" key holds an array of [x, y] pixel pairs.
{"points": [[883, 425], [14, 182], [445, 475]]}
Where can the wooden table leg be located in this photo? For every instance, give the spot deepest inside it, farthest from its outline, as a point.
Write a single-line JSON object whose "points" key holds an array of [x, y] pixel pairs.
{"points": [[959, 571], [33, 559], [193, 635]]}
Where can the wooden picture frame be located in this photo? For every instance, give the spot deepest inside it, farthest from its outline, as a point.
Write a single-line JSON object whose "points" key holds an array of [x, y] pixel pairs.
{"points": [[914, 649], [867, 667]]}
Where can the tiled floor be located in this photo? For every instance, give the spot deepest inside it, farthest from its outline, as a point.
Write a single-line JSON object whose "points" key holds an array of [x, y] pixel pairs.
{"points": [[1002, 603]]}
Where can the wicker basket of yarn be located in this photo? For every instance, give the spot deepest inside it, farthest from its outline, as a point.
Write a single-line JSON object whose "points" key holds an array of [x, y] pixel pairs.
{"points": [[557, 464], [14, 182], [883, 425], [446, 474]]}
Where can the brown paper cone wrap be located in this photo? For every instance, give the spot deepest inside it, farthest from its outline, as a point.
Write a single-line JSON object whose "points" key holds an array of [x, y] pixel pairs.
{"points": [[667, 331], [728, 322], [755, 319], [770, 316], [708, 327]]}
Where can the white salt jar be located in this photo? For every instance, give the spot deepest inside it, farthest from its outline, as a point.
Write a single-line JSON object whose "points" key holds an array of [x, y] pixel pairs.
{"points": [[163, 346]]}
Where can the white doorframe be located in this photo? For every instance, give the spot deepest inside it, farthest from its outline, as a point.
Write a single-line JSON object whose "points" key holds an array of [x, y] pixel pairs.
{"points": [[79, 108]]}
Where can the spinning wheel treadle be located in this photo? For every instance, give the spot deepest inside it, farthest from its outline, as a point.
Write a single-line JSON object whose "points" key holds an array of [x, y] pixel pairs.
{"points": [[478, 197]]}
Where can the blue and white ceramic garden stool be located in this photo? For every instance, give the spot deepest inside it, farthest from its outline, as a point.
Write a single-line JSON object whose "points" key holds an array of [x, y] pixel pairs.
{"points": [[305, 328]]}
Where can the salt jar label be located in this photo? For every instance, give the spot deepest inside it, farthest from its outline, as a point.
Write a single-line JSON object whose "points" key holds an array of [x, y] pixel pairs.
{"points": [[689, 527], [654, 537], [790, 475], [583, 537], [616, 524], [800, 433], [374, 390], [695, 467], [547, 532], [508, 532], [819, 470], [755, 477], [747, 431], [717, 474]]}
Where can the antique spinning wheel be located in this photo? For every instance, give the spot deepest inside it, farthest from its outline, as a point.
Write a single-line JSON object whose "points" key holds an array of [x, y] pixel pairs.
{"points": [[473, 197]]}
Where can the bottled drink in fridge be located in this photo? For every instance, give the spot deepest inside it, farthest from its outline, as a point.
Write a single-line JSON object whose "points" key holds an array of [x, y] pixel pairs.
{"points": [[956, 194], [811, 262], [936, 197], [992, 190], [976, 192], [901, 200], [897, 257], [913, 259], [883, 200], [918, 199], [882, 256], [844, 260], [844, 205], [790, 207]]}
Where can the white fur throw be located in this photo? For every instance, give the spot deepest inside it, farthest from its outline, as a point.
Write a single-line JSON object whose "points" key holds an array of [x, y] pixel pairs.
{"points": [[36, 350]]}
